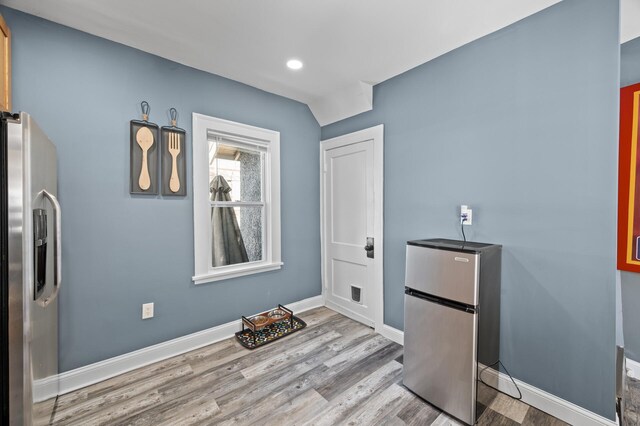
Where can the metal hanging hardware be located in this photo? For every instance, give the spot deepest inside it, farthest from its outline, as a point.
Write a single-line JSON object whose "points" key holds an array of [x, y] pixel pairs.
{"points": [[145, 110], [173, 114]]}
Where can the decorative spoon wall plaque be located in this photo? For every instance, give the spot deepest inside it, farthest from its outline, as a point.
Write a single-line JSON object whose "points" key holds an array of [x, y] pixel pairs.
{"points": [[143, 154]]}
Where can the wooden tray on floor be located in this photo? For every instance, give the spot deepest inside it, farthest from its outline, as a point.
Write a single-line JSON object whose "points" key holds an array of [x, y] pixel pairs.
{"points": [[268, 326]]}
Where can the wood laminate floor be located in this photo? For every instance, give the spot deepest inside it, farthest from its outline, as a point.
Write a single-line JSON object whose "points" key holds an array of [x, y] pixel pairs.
{"points": [[334, 372], [632, 402]]}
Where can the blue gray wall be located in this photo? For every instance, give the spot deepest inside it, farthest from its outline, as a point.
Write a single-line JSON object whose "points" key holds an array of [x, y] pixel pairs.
{"points": [[630, 288], [630, 74], [630, 62], [120, 250], [522, 126]]}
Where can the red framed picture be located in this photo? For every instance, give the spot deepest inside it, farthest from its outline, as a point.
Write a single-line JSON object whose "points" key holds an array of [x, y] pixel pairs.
{"points": [[629, 181]]}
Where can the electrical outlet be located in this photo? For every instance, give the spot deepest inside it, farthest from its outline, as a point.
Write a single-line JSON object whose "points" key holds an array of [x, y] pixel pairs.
{"points": [[147, 310], [466, 215]]}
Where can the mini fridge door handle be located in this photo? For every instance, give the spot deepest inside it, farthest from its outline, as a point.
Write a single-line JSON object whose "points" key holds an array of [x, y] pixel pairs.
{"points": [[57, 248]]}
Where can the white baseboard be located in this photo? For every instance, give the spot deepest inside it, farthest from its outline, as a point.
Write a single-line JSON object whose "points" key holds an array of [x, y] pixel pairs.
{"points": [[549, 403], [348, 313], [392, 334], [99, 371], [44, 389], [306, 304], [633, 368]]}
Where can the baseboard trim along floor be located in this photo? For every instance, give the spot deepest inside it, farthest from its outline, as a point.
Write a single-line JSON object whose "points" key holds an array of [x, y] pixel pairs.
{"points": [[392, 334], [549, 403], [102, 370], [633, 368], [99, 371]]}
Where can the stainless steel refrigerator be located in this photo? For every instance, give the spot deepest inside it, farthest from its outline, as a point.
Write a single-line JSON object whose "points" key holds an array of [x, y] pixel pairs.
{"points": [[452, 324], [30, 272]]}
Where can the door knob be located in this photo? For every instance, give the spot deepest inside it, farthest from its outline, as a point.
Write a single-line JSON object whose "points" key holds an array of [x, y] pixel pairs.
{"points": [[369, 247]]}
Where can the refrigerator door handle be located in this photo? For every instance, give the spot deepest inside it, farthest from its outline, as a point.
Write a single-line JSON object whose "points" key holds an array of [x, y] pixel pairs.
{"points": [[57, 248], [440, 301]]}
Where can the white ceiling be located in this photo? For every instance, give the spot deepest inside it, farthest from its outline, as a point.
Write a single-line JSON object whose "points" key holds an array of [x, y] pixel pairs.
{"points": [[346, 46], [629, 20]]}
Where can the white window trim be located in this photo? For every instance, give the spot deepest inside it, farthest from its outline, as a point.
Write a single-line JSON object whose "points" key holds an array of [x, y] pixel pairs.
{"points": [[202, 125]]}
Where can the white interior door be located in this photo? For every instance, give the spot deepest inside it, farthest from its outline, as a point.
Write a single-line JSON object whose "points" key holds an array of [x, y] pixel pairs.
{"points": [[352, 214]]}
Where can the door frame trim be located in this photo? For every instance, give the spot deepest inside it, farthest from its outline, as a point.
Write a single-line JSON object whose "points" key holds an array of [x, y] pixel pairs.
{"points": [[375, 133]]}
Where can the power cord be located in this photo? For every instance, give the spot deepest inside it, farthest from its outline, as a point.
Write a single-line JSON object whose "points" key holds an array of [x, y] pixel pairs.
{"points": [[508, 374], [463, 218]]}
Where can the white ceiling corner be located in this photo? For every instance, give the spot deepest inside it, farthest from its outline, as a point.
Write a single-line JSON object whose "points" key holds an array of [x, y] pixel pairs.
{"points": [[342, 103], [629, 20], [346, 47]]}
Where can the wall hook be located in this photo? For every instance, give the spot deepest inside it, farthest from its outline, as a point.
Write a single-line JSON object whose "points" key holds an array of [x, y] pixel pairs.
{"points": [[173, 113]]}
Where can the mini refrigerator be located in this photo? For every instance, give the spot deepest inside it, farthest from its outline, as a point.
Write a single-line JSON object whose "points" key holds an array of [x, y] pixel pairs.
{"points": [[452, 324]]}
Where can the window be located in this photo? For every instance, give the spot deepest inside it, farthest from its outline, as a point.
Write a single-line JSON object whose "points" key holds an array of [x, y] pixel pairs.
{"points": [[236, 199]]}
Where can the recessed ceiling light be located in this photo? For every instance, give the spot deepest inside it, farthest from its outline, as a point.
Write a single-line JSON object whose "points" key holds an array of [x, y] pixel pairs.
{"points": [[294, 64]]}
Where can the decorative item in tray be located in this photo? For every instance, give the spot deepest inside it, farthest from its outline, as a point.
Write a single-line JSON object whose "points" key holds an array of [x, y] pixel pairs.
{"points": [[143, 154], [277, 314], [266, 327], [173, 154], [259, 321]]}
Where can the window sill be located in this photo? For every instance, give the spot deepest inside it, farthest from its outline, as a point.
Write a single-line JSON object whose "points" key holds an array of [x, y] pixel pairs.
{"points": [[235, 271]]}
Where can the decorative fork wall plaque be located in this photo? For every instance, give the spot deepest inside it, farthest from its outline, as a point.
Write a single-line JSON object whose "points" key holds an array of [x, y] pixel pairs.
{"points": [[173, 154], [143, 155]]}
